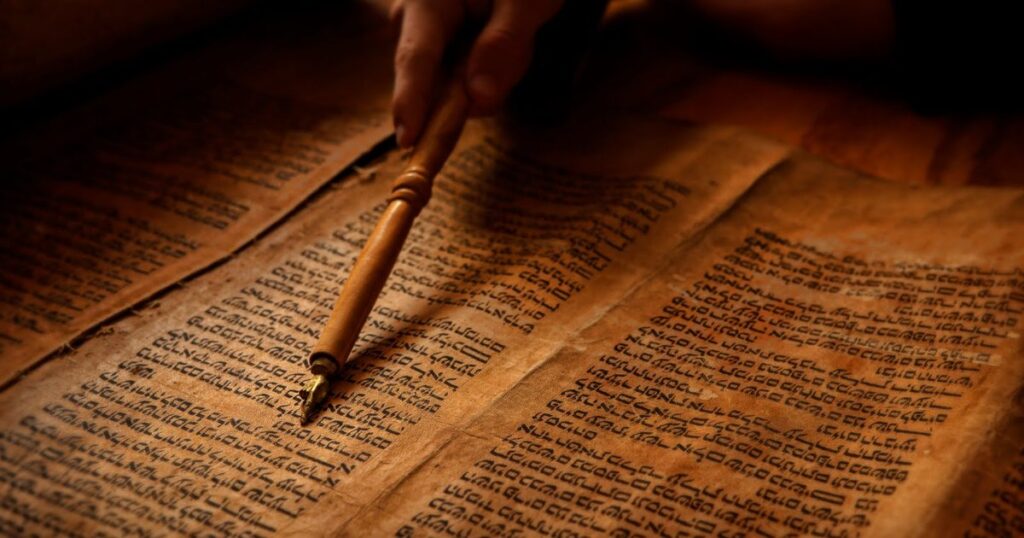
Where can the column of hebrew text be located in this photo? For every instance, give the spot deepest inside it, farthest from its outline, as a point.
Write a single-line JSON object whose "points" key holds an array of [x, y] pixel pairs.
{"points": [[832, 358]]}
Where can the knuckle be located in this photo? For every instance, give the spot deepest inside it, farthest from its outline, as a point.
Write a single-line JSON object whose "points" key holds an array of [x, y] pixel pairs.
{"points": [[399, 102], [502, 37], [411, 53]]}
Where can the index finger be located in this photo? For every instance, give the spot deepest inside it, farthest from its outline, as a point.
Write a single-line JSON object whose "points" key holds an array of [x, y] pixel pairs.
{"points": [[427, 27]]}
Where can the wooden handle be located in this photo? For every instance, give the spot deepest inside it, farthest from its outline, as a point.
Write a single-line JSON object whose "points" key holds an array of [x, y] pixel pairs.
{"points": [[409, 193]]}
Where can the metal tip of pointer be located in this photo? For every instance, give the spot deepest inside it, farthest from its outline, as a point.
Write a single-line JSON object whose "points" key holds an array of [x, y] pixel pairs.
{"points": [[314, 393]]}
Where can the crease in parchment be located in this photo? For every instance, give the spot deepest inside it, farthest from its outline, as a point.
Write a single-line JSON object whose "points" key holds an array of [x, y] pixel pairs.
{"points": [[338, 180]]}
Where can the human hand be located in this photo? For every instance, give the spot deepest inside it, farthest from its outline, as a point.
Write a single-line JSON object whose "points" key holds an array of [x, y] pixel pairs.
{"points": [[498, 56]]}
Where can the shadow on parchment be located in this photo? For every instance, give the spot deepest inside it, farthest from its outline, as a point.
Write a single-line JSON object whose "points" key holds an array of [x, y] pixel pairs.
{"points": [[522, 195]]}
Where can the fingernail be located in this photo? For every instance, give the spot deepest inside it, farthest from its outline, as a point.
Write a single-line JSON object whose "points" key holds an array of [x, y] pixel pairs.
{"points": [[400, 135], [483, 87]]}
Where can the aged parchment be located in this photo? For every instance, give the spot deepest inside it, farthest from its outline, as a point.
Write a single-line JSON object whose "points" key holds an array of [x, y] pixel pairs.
{"points": [[107, 205], [183, 418], [837, 356], [624, 327]]}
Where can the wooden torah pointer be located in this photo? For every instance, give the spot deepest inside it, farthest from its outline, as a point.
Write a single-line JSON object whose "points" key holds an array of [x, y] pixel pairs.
{"points": [[409, 193]]}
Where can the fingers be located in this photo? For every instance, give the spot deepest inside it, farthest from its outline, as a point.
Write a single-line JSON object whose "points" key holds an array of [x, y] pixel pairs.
{"points": [[426, 28], [499, 56], [502, 53]]}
